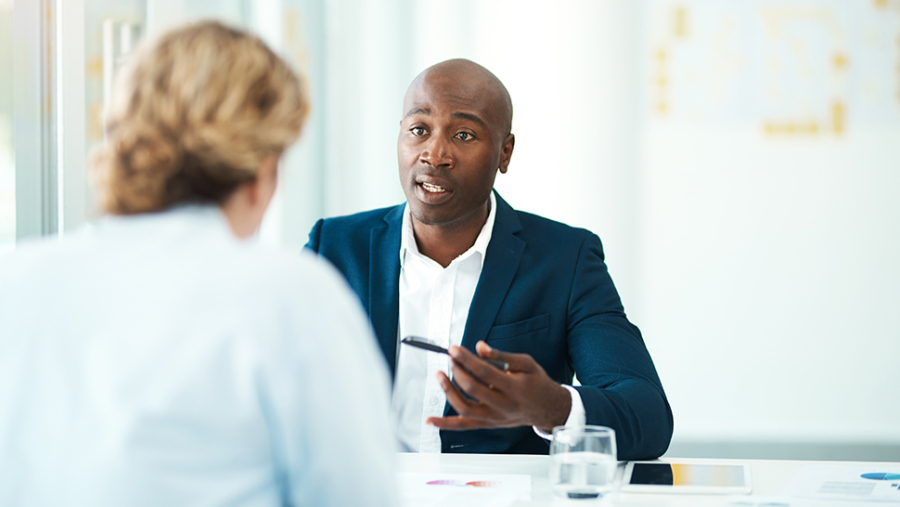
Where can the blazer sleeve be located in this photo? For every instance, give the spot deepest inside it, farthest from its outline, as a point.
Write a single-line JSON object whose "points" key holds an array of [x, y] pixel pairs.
{"points": [[619, 384], [314, 236]]}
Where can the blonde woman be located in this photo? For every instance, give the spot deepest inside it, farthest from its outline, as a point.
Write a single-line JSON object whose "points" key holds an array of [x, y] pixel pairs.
{"points": [[158, 358]]}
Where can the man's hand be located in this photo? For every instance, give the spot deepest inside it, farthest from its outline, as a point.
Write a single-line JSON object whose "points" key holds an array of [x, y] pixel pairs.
{"points": [[522, 396]]}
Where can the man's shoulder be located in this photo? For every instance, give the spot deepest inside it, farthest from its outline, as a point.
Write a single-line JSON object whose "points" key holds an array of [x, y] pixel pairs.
{"points": [[531, 220], [541, 227], [343, 235], [364, 219]]}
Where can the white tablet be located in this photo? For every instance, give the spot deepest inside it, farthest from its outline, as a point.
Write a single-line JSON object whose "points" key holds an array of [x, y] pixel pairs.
{"points": [[693, 478]]}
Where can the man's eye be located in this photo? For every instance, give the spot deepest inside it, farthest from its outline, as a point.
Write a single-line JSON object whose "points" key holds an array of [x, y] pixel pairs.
{"points": [[465, 136], [417, 131]]}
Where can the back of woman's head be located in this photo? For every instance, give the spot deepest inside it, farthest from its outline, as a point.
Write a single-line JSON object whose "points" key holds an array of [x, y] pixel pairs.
{"points": [[193, 114]]}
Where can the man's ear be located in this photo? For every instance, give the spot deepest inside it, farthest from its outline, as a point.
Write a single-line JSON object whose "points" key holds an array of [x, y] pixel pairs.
{"points": [[506, 151]]}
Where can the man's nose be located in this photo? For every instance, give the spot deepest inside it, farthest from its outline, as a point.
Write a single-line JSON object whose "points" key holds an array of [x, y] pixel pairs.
{"points": [[437, 152]]}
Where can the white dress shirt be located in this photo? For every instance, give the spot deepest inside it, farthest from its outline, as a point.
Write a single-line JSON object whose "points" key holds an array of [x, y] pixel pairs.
{"points": [[434, 304], [156, 360]]}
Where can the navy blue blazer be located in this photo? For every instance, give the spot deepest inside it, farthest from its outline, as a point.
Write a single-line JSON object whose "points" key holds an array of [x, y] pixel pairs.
{"points": [[545, 291]]}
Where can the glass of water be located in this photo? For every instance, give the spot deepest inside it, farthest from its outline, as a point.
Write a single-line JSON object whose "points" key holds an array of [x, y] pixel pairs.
{"points": [[582, 461]]}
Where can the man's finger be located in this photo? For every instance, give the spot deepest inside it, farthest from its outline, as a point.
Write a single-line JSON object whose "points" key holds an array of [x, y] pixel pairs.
{"points": [[455, 397], [456, 423], [517, 362], [484, 372], [476, 388], [465, 407]]}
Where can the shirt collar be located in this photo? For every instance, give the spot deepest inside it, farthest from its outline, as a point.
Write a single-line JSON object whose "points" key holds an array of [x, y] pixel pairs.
{"points": [[409, 246]]}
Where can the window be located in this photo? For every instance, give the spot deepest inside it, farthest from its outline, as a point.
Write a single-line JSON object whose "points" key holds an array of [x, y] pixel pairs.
{"points": [[7, 155], [65, 52]]}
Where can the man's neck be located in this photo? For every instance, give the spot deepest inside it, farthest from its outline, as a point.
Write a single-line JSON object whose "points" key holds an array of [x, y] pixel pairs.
{"points": [[443, 243]]}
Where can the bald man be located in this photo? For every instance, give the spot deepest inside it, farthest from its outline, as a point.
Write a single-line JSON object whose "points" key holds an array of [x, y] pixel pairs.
{"points": [[459, 267]]}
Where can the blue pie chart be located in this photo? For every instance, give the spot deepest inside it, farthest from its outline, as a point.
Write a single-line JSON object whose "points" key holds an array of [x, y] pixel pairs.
{"points": [[881, 477]]}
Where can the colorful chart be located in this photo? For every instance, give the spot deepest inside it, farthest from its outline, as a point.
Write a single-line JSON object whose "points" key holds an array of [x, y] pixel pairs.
{"points": [[474, 484], [881, 477]]}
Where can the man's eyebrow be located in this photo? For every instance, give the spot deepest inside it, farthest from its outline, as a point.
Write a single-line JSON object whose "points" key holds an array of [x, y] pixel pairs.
{"points": [[418, 110], [459, 115], [470, 117]]}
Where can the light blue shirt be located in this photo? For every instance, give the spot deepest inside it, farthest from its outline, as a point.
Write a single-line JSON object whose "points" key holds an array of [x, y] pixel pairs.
{"points": [[157, 360]]}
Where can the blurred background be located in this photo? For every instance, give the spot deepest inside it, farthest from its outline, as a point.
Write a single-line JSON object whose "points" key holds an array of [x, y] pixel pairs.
{"points": [[740, 161]]}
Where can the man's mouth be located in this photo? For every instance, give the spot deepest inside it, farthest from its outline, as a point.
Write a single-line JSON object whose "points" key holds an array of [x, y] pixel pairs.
{"points": [[434, 189]]}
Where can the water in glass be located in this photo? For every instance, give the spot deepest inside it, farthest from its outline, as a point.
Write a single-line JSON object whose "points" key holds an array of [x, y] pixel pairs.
{"points": [[582, 462]]}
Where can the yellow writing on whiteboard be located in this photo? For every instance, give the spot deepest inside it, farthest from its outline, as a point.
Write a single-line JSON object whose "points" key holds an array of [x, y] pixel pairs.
{"points": [[801, 128], [661, 82], [840, 62], [838, 113], [680, 23]]}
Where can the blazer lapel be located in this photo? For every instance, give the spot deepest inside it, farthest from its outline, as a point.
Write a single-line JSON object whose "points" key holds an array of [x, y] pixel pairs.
{"points": [[500, 264], [384, 283]]}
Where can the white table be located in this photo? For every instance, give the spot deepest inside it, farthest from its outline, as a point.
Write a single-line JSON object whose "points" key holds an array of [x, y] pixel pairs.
{"points": [[768, 477]]}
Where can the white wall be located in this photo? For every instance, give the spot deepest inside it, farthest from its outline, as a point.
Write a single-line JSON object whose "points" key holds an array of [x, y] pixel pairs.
{"points": [[769, 287]]}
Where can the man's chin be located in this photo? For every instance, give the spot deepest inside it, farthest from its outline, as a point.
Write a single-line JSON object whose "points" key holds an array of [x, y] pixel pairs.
{"points": [[429, 219]]}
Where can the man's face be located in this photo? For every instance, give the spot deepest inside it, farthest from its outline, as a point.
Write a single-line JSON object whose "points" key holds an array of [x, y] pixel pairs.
{"points": [[450, 147]]}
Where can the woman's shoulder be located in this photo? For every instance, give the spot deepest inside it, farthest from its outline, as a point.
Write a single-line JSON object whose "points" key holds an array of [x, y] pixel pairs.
{"points": [[286, 274]]}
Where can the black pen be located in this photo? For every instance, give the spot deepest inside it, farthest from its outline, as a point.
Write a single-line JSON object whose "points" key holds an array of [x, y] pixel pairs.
{"points": [[422, 343]]}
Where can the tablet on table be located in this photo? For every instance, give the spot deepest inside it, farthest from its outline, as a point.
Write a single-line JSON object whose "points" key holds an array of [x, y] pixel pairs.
{"points": [[693, 478]]}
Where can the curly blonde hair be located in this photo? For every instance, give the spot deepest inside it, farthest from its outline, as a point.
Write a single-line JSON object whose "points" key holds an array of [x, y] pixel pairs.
{"points": [[192, 116]]}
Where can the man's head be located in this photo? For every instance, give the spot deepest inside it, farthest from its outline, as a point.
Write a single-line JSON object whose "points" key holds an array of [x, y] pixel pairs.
{"points": [[454, 137]]}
